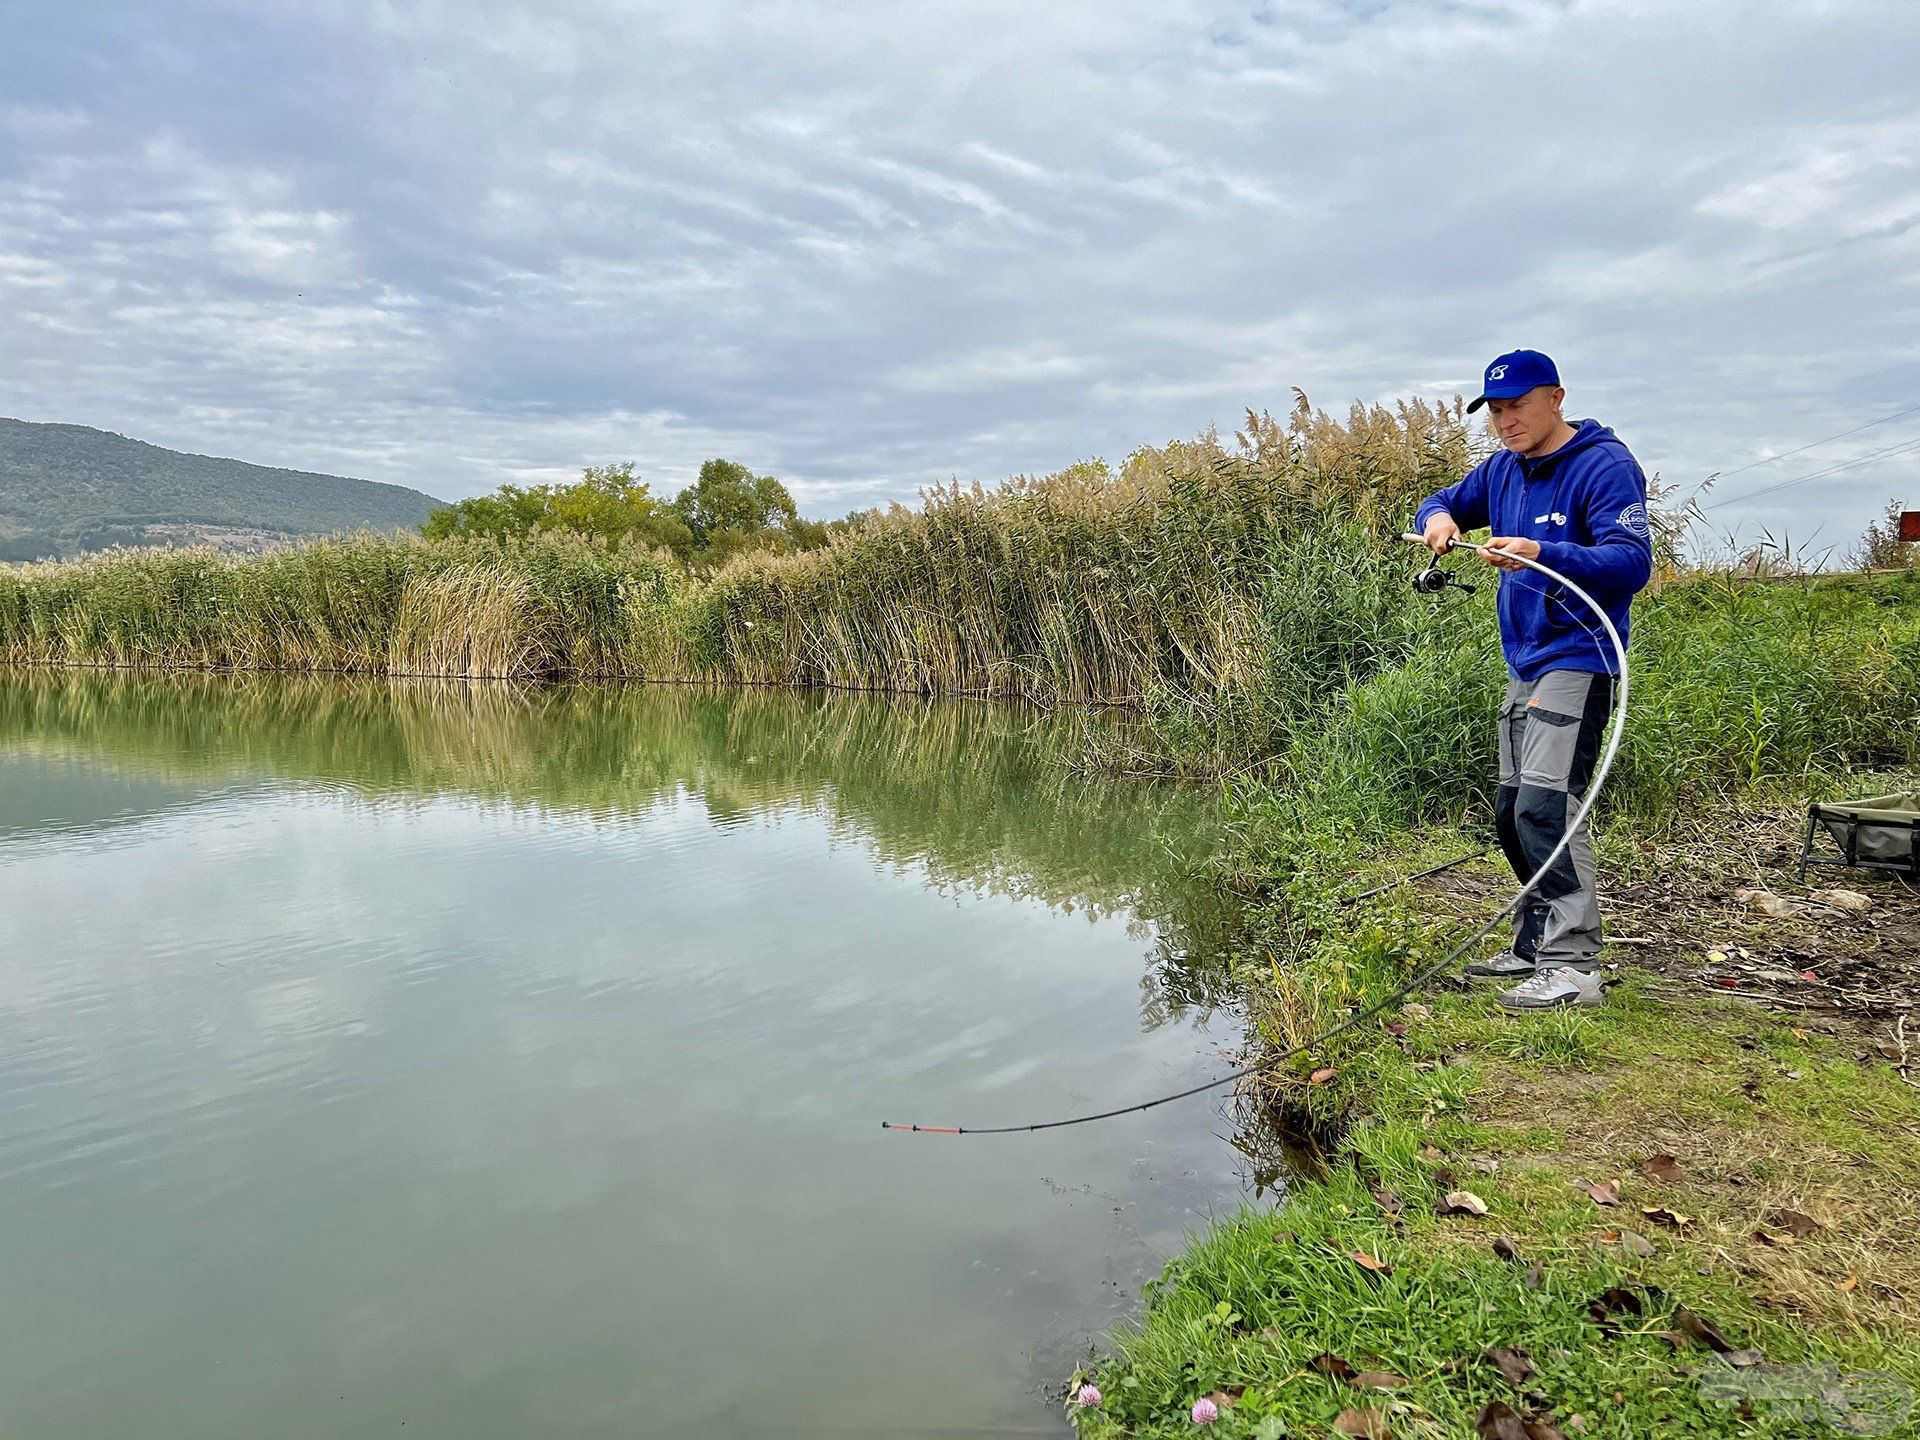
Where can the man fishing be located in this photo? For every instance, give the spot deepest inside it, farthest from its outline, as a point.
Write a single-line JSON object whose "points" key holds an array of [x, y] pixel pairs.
{"points": [[1572, 497]]}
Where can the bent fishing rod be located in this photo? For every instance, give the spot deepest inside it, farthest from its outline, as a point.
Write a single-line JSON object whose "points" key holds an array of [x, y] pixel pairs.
{"points": [[1420, 979]]}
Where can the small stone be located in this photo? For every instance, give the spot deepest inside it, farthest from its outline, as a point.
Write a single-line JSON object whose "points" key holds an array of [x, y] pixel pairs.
{"points": [[1765, 902], [1850, 901]]}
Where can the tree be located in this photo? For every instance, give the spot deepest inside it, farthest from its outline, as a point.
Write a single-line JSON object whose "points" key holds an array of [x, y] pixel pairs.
{"points": [[726, 511], [608, 502], [729, 499]]}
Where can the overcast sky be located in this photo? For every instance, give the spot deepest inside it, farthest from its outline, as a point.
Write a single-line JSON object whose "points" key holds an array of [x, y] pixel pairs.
{"points": [[870, 246]]}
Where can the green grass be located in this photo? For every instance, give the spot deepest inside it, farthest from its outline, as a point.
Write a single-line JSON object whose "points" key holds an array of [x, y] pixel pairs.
{"points": [[1533, 1111]]}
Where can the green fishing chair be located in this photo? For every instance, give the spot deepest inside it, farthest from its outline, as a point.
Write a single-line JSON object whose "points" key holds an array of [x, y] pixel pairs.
{"points": [[1878, 834]]}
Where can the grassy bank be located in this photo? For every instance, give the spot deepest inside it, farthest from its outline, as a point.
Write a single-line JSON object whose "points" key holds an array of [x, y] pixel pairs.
{"points": [[1756, 1226], [1783, 1224]]}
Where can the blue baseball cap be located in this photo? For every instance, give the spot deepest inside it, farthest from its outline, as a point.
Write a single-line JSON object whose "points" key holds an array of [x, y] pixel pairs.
{"points": [[1515, 373]]}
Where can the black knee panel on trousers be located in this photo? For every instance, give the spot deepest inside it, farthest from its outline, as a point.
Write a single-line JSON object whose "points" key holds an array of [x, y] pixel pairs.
{"points": [[1507, 827], [1540, 823]]}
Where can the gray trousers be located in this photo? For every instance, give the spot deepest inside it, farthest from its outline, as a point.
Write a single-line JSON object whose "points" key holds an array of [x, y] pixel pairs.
{"points": [[1550, 731]]}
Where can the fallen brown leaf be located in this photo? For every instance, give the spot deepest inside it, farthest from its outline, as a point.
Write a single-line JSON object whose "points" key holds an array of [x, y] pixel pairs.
{"points": [[1378, 1380], [1228, 1397], [1615, 1298], [1388, 1201], [1506, 1249], [1705, 1331], [1636, 1244], [1370, 1262], [1321, 1076], [1602, 1308], [1661, 1167], [1794, 1222], [1460, 1202], [1332, 1365], [1369, 1424], [1514, 1364], [1499, 1421], [1660, 1215], [1605, 1194]]}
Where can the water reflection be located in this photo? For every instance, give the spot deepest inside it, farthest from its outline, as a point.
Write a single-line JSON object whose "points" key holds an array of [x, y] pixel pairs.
{"points": [[504, 1062], [977, 794]]}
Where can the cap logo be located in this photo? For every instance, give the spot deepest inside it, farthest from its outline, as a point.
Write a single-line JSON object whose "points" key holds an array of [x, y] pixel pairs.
{"points": [[1496, 372]]}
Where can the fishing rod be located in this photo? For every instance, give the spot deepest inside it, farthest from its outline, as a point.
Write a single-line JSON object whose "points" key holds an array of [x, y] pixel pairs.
{"points": [[1420, 979]]}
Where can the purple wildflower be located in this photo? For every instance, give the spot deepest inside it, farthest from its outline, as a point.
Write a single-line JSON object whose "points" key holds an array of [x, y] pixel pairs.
{"points": [[1205, 1412], [1088, 1397]]}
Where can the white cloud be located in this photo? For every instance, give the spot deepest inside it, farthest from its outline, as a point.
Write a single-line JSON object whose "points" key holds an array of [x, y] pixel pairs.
{"points": [[449, 244]]}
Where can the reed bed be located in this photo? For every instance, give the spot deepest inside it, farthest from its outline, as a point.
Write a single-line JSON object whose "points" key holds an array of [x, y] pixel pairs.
{"points": [[360, 604], [1097, 584], [1163, 579]]}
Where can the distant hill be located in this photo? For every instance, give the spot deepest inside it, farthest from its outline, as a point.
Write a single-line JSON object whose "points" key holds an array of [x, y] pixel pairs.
{"points": [[66, 489]]}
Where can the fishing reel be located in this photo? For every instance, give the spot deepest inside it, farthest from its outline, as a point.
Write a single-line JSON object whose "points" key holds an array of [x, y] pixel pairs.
{"points": [[1435, 581]]}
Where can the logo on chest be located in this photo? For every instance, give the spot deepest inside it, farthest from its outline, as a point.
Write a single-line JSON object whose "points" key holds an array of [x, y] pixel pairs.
{"points": [[1556, 517]]}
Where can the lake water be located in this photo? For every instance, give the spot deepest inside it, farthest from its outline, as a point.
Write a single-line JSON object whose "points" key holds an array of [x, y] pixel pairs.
{"points": [[479, 1062]]}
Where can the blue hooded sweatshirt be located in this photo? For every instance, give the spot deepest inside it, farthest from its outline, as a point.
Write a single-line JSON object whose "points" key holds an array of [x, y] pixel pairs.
{"points": [[1586, 504]]}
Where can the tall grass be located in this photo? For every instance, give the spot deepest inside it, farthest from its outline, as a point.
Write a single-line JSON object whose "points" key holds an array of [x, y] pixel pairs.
{"points": [[1099, 583], [366, 604], [1155, 580], [1737, 688]]}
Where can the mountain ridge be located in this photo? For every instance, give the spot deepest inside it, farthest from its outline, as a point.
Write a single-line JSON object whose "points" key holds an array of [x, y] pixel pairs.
{"points": [[66, 489]]}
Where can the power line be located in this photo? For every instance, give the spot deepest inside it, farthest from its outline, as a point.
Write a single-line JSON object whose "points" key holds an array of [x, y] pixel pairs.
{"points": [[1816, 444], [1903, 447]]}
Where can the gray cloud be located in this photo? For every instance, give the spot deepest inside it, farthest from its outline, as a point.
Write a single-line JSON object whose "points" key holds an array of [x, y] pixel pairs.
{"points": [[869, 247]]}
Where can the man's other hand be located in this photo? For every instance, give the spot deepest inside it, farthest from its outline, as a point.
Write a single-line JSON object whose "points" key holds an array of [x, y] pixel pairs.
{"points": [[1507, 551], [1440, 530]]}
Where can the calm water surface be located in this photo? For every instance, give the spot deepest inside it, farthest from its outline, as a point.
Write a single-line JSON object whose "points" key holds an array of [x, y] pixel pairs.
{"points": [[481, 1063]]}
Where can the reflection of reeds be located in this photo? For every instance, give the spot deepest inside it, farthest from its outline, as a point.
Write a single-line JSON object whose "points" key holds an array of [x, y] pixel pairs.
{"points": [[970, 792], [1098, 583]]}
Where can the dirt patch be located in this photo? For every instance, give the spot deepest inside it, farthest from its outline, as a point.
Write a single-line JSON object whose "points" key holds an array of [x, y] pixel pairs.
{"points": [[1723, 912]]}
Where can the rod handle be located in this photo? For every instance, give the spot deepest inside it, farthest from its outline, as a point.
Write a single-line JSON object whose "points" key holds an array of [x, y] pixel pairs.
{"points": [[1454, 544]]}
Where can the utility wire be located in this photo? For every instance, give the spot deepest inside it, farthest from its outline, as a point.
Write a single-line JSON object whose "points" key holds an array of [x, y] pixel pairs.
{"points": [[1815, 444], [1903, 447]]}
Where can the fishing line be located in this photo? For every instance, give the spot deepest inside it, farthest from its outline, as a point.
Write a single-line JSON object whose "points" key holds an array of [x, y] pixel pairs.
{"points": [[1422, 977]]}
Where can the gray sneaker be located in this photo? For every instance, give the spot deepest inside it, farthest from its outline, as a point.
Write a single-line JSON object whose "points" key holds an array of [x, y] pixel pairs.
{"points": [[1551, 988], [1504, 966]]}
